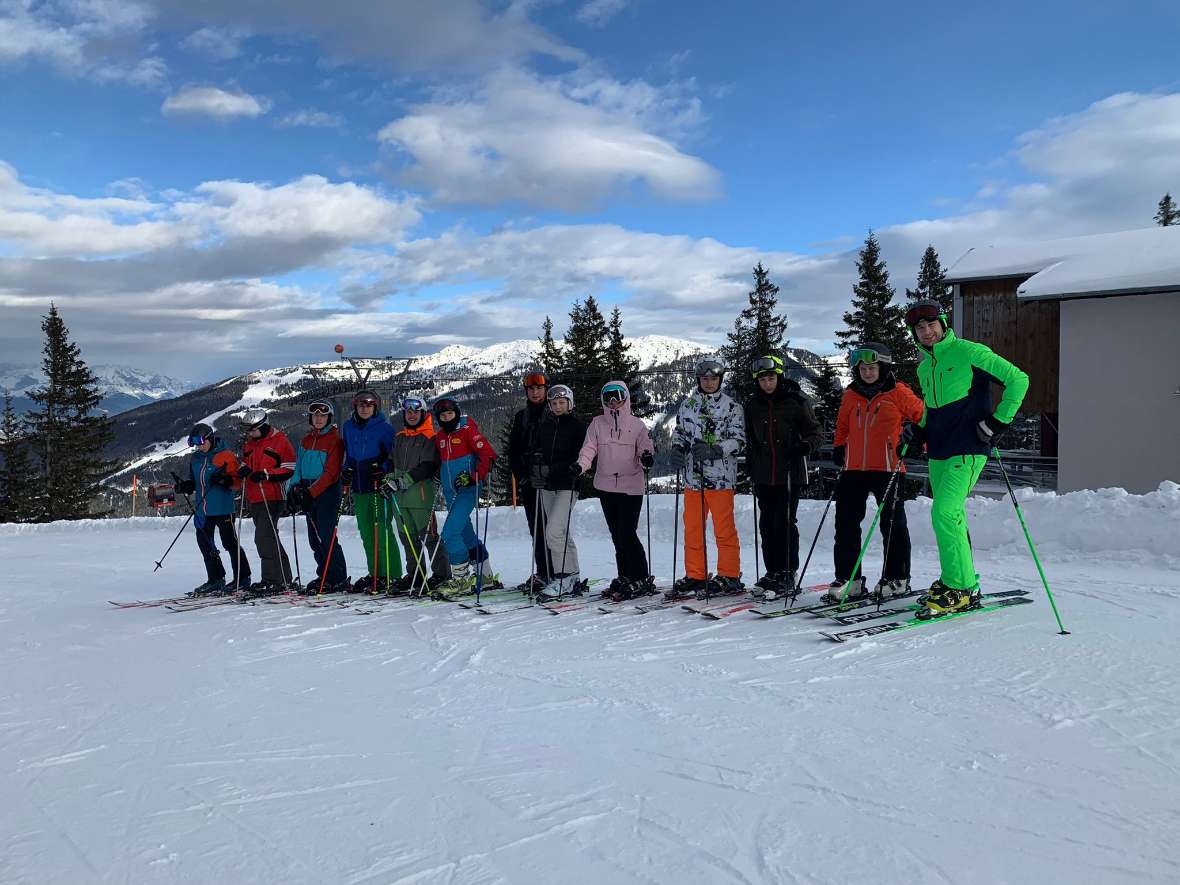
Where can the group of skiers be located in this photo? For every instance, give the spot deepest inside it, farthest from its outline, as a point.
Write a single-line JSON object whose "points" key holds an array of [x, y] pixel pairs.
{"points": [[394, 478]]}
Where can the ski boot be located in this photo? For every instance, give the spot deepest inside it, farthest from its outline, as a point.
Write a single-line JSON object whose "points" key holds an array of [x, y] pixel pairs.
{"points": [[686, 587], [725, 585], [856, 590], [459, 583], [888, 589], [941, 600], [782, 586]]}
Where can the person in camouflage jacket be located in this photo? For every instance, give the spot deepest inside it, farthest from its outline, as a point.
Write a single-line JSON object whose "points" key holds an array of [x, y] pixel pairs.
{"points": [[709, 437]]}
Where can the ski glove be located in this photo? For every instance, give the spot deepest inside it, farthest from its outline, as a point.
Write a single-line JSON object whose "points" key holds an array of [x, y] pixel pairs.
{"points": [[990, 429], [912, 437], [244, 471], [463, 480], [678, 458], [703, 451], [646, 460], [838, 456]]}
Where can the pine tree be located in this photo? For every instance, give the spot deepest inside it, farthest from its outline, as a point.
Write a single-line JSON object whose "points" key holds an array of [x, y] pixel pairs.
{"points": [[828, 392], [551, 357], [932, 281], [874, 316], [67, 437], [757, 331], [584, 357], [16, 485], [1167, 212]]}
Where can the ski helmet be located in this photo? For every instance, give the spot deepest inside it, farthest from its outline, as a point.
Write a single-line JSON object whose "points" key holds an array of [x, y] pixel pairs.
{"points": [[535, 379], [254, 418], [366, 397], [321, 407], [613, 394], [560, 391], [200, 434], [766, 365], [870, 352], [926, 309]]}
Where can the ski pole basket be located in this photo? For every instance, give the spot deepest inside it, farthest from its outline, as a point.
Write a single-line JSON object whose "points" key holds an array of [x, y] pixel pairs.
{"points": [[161, 496]]}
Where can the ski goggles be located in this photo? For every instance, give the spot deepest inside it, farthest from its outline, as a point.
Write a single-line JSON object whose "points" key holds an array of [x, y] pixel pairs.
{"points": [[412, 404], [867, 355], [319, 408], [614, 393], [198, 440], [710, 368], [765, 364], [920, 312], [535, 379]]}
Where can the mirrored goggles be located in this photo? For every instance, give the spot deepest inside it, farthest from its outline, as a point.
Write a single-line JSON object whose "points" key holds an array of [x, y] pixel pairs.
{"points": [[766, 364], [412, 404]]}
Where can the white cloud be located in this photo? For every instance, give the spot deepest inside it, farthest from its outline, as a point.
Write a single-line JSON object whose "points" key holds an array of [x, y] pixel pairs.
{"points": [[220, 44], [81, 38], [313, 119], [599, 12], [210, 101], [566, 142]]}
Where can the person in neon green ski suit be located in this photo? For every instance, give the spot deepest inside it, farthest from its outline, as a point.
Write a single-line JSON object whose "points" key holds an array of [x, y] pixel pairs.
{"points": [[959, 429]]}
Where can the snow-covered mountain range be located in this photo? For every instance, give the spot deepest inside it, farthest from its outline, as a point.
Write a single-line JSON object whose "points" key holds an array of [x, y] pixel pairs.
{"points": [[122, 387]]}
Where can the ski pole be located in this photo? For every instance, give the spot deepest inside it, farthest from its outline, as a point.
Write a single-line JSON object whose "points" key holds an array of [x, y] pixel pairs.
{"points": [[1032, 548], [160, 561], [400, 517], [876, 518], [675, 530], [818, 529], [332, 542]]}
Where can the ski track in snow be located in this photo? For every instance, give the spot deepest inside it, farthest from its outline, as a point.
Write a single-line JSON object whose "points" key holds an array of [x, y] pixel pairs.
{"points": [[430, 744]]}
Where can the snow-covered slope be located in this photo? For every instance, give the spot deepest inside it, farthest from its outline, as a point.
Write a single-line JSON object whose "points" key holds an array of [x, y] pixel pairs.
{"points": [[428, 744]]}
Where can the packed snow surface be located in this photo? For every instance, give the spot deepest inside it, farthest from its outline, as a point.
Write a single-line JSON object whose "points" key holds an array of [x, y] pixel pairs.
{"points": [[428, 744]]}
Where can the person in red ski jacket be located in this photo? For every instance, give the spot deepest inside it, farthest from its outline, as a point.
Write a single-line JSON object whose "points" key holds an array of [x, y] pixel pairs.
{"points": [[268, 461]]}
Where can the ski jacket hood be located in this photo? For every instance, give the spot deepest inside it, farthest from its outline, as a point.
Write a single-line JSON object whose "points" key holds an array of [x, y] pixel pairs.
{"points": [[616, 438]]}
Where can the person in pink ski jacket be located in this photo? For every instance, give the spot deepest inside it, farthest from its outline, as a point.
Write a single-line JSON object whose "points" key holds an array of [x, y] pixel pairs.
{"points": [[621, 444]]}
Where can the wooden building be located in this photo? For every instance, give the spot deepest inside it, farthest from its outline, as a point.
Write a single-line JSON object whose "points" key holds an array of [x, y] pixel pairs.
{"points": [[1095, 322]]}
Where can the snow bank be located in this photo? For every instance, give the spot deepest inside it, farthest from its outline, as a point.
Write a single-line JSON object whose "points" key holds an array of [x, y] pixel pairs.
{"points": [[1099, 522]]}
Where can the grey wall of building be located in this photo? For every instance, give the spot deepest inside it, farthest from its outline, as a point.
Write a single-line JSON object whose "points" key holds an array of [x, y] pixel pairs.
{"points": [[1120, 370]]}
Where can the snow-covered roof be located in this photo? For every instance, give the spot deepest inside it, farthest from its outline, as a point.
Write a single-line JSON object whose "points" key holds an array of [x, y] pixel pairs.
{"points": [[1123, 263]]}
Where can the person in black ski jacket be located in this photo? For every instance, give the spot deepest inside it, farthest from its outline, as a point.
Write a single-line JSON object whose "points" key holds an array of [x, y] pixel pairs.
{"points": [[522, 442], [559, 438], [781, 432]]}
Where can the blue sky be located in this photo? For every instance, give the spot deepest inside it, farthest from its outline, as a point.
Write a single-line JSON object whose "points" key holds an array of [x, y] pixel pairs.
{"points": [[212, 192]]}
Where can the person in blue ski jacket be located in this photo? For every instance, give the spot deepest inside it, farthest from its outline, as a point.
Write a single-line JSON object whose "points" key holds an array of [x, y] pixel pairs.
{"points": [[211, 481]]}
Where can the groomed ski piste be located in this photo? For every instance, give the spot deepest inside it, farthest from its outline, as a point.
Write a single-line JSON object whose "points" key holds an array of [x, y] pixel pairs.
{"points": [[278, 743]]}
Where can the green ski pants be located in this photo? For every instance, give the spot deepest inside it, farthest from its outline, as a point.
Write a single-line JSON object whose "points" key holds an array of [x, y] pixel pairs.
{"points": [[951, 481], [373, 510]]}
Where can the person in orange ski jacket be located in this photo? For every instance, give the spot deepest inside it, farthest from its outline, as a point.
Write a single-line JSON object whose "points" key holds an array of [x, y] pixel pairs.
{"points": [[873, 410]]}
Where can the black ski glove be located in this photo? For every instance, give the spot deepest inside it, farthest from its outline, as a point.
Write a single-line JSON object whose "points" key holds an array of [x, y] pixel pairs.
{"points": [[838, 456], [990, 429]]}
